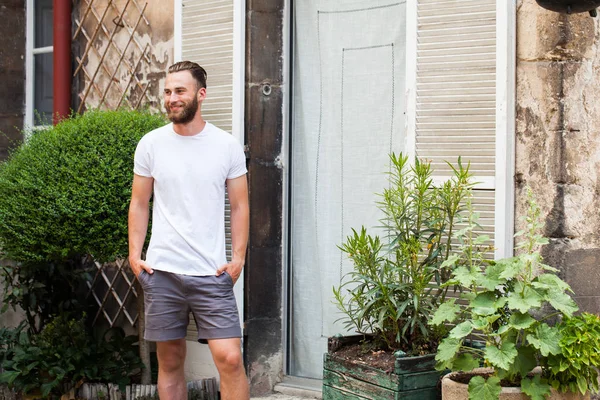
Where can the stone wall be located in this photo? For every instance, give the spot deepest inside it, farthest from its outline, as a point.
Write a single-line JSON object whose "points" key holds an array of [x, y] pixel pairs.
{"points": [[12, 74], [558, 139]]}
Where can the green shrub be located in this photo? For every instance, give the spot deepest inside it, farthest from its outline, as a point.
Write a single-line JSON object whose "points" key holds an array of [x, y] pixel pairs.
{"points": [[65, 353], [65, 193]]}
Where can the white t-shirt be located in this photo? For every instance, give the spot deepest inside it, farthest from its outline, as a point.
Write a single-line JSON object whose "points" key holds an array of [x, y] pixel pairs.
{"points": [[188, 217]]}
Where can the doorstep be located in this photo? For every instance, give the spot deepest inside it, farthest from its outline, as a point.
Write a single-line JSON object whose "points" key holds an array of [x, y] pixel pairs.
{"points": [[294, 388]]}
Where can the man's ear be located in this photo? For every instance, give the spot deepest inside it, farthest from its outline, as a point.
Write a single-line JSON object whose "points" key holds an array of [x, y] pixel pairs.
{"points": [[201, 94]]}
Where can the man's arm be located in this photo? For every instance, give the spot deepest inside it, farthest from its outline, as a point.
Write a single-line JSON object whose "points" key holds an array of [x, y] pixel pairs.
{"points": [[237, 189], [141, 192]]}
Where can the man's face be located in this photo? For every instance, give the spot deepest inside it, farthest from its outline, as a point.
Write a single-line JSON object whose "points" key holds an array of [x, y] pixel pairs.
{"points": [[182, 97]]}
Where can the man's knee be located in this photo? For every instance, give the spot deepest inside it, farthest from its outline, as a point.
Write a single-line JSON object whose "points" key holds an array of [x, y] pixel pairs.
{"points": [[171, 356], [228, 358]]}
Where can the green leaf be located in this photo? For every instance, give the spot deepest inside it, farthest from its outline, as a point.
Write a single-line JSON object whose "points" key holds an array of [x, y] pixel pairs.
{"points": [[546, 339], [446, 312], [450, 261], [502, 357], [526, 360], [465, 276], [521, 321], [492, 278], [446, 352], [537, 388], [562, 302], [524, 298], [484, 304], [553, 282], [481, 389], [465, 362], [511, 267], [461, 330]]}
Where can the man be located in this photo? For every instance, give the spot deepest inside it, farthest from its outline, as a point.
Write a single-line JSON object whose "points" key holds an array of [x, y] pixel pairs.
{"points": [[186, 165]]}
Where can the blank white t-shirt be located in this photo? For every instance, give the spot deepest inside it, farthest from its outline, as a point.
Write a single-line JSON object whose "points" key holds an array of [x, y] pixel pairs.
{"points": [[188, 216]]}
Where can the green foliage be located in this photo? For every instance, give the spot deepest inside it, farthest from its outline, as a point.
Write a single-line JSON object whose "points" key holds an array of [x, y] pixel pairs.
{"points": [[65, 353], [508, 304], [389, 292], [575, 366], [43, 290], [65, 192]]}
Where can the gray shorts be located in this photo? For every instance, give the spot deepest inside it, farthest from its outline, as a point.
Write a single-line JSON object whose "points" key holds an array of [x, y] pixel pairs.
{"points": [[169, 298]]}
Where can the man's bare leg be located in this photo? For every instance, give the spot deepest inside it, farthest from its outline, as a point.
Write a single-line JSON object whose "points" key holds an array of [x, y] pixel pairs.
{"points": [[171, 375], [227, 354]]}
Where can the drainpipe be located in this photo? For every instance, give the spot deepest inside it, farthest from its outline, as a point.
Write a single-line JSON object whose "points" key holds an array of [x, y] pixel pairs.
{"points": [[62, 59]]}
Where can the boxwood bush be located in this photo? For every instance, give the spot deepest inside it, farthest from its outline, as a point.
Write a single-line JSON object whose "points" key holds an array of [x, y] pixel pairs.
{"points": [[65, 193]]}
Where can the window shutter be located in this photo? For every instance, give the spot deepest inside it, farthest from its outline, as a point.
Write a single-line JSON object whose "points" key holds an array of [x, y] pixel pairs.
{"points": [[452, 105], [207, 38]]}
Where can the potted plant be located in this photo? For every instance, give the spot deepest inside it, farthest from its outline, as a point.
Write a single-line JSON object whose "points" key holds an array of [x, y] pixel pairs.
{"points": [[395, 286], [522, 313]]}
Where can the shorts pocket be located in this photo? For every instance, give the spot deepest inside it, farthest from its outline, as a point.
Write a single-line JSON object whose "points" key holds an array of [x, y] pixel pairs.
{"points": [[229, 278]]}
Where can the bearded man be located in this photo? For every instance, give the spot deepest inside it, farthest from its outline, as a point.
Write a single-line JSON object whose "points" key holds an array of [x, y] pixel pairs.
{"points": [[186, 166]]}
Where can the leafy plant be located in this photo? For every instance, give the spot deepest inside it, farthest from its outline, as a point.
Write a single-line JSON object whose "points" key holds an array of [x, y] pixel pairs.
{"points": [[66, 353], [64, 193], [389, 292], [508, 305], [575, 367]]}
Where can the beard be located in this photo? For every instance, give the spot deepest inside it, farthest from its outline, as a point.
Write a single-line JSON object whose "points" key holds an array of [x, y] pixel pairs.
{"points": [[186, 114]]}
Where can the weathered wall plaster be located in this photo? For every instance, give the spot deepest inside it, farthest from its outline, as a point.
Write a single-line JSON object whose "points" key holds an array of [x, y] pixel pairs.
{"points": [[558, 139], [154, 34]]}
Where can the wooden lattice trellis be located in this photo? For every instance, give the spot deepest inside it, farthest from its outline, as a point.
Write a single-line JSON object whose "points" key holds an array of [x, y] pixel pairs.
{"points": [[113, 290], [113, 55]]}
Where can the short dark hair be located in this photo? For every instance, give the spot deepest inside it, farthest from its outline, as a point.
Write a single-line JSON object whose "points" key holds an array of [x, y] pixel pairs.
{"points": [[196, 70]]}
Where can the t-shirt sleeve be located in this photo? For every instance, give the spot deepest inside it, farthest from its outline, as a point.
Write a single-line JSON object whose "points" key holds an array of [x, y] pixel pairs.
{"points": [[142, 160], [238, 161]]}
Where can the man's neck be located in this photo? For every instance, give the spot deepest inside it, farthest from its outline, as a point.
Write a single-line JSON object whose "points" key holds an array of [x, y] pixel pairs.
{"points": [[192, 128]]}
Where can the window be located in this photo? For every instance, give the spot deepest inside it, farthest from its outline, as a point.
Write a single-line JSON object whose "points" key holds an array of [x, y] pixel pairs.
{"points": [[39, 63]]}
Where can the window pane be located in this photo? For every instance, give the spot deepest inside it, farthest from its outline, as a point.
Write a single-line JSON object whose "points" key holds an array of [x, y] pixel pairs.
{"points": [[43, 23], [43, 89]]}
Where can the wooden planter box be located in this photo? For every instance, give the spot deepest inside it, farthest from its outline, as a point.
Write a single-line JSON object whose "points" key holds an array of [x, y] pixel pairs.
{"points": [[413, 378]]}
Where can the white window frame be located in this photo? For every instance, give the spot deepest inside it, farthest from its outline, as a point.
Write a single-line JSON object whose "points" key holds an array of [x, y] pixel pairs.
{"points": [[30, 52], [503, 182]]}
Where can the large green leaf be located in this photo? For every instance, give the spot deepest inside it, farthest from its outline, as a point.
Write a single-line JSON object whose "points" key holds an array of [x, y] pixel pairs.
{"points": [[484, 304], [546, 339], [492, 277], [465, 276], [502, 357], [511, 267], [482, 389], [461, 330], [465, 362], [524, 298], [553, 282], [446, 312], [525, 361], [537, 388], [521, 321], [447, 350], [562, 302]]}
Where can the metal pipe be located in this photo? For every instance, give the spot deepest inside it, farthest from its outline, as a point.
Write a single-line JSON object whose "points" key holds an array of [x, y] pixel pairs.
{"points": [[62, 60]]}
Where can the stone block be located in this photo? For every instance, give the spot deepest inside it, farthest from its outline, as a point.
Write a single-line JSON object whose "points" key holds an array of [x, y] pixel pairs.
{"points": [[264, 121], [265, 198], [263, 300], [268, 6], [264, 42], [582, 272], [12, 93]]}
